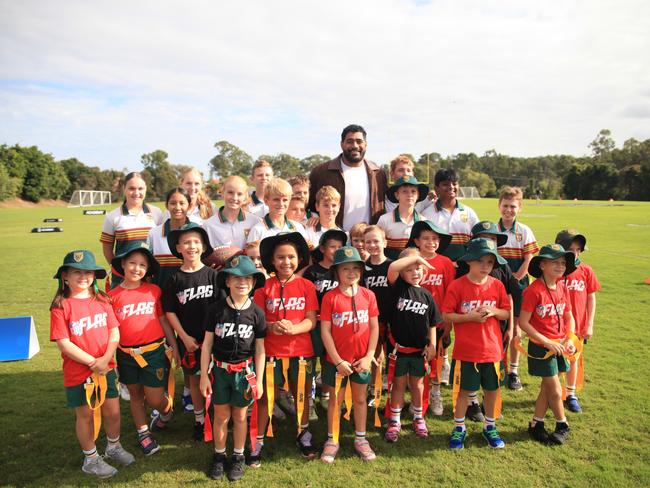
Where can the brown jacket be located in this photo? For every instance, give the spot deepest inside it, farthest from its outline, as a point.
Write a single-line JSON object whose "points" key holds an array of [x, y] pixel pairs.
{"points": [[330, 173]]}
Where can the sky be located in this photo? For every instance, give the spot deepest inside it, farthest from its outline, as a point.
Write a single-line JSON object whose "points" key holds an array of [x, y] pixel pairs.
{"points": [[106, 82]]}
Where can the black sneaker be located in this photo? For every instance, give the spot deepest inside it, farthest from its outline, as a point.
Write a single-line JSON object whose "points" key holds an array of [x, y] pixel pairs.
{"points": [[148, 444], [560, 434], [217, 466], [197, 434], [255, 457], [538, 432], [236, 471], [513, 382], [303, 441], [474, 413]]}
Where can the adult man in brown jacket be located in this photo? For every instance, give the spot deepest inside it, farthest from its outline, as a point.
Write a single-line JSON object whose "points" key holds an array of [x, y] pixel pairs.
{"points": [[361, 183]]}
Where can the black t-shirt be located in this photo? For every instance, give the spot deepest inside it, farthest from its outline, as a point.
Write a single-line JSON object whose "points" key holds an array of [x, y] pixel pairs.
{"points": [[321, 278], [189, 295], [235, 331], [376, 279], [414, 312]]}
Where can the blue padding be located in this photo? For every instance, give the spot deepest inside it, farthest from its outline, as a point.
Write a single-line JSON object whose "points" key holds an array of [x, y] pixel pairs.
{"points": [[17, 338]]}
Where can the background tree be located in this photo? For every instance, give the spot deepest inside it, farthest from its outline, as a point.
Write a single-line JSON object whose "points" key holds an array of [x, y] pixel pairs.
{"points": [[230, 160], [162, 174], [310, 162]]}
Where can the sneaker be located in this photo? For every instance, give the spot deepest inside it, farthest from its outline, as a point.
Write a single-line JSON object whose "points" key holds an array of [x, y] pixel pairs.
{"points": [[457, 438], [197, 432], [188, 406], [217, 467], [446, 370], [420, 428], [286, 403], [493, 438], [124, 393], [303, 441], [474, 413], [435, 404], [365, 452], [560, 434], [120, 455], [255, 457], [237, 462], [98, 467], [330, 449], [157, 423], [572, 405], [148, 444], [513, 382], [278, 414], [538, 433], [392, 432]]}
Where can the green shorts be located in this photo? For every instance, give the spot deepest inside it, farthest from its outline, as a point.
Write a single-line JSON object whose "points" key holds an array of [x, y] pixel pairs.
{"points": [[545, 367], [474, 376], [76, 395], [194, 369], [329, 376], [231, 388], [317, 341], [278, 376], [411, 364], [154, 374]]}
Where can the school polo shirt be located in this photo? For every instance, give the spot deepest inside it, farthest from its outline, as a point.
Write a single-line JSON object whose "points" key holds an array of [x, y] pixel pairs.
{"points": [[158, 245], [397, 231], [414, 312], [521, 241], [581, 283], [376, 280], [138, 311], [257, 206], [419, 206], [438, 279], [313, 234], [291, 301], [222, 232], [86, 322], [121, 227], [458, 223], [350, 332], [549, 308], [266, 228], [474, 341]]}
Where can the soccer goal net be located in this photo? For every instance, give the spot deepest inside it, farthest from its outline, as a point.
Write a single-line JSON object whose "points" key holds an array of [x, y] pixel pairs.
{"points": [[85, 198], [468, 192]]}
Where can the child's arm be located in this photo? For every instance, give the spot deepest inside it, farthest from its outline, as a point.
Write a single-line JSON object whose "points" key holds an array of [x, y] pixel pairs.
{"points": [[524, 324], [74, 352], [342, 366], [364, 364], [459, 318], [523, 269], [498, 313], [591, 314], [399, 264], [430, 350], [307, 324], [206, 356], [171, 339], [101, 363], [190, 342], [260, 360], [107, 249]]}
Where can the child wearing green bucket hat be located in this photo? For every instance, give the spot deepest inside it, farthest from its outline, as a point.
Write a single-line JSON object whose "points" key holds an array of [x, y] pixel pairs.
{"points": [[186, 298], [547, 319], [582, 285], [475, 303], [143, 360], [235, 328], [349, 327], [85, 329]]}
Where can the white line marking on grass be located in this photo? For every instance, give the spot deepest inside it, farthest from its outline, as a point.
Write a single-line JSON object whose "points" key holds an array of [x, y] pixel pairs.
{"points": [[638, 225], [540, 216]]}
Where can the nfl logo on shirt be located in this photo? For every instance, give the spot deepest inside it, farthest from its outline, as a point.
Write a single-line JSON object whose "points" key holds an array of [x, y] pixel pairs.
{"points": [[181, 297], [400, 304], [77, 328], [218, 330], [270, 305], [337, 319], [465, 308]]}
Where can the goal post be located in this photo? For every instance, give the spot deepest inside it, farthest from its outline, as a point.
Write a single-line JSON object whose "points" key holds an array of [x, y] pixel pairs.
{"points": [[86, 198], [468, 192]]}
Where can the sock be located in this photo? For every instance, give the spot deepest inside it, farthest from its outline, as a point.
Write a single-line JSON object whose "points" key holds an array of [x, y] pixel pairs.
{"points": [[220, 451], [91, 453], [417, 413], [142, 431], [435, 388], [537, 420], [473, 398], [304, 427], [186, 391], [166, 417], [446, 358], [359, 436], [395, 414], [571, 391], [513, 368], [324, 396], [199, 416], [460, 422], [489, 422], [238, 451], [259, 440], [112, 443], [330, 436]]}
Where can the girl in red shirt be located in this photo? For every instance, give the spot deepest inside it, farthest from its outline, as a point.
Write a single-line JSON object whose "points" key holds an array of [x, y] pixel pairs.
{"points": [[86, 332]]}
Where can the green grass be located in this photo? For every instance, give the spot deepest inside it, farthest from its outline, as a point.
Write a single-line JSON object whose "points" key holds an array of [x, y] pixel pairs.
{"points": [[607, 447]]}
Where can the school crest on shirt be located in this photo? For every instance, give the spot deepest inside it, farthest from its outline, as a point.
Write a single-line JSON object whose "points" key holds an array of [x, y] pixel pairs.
{"points": [[519, 236], [337, 319], [463, 216]]}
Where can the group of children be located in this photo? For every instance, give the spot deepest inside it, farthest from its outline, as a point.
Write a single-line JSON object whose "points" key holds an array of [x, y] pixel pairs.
{"points": [[304, 297]]}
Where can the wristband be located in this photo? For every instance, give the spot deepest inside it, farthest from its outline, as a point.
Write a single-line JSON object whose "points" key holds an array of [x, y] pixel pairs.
{"points": [[339, 363]]}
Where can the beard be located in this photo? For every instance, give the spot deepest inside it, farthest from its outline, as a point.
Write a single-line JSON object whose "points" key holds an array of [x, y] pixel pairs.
{"points": [[354, 156]]}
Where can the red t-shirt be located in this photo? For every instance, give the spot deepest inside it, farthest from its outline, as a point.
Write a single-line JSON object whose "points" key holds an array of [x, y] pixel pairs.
{"points": [[438, 280], [87, 323], [542, 303], [474, 341], [138, 311], [581, 283], [350, 336], [292, 303]]}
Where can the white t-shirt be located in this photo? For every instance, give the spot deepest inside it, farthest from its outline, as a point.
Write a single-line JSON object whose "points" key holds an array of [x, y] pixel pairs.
{"points": [[357, 195]]}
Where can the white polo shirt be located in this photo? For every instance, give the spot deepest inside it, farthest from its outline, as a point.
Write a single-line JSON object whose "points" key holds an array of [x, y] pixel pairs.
{"points": [[257, 206], [266, 228], [222, 232], [397, 231], [521, 241], [314, 234]]}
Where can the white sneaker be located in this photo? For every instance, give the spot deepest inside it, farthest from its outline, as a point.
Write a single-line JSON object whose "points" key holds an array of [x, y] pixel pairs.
{"points": [[446, 370], [98, 467], [120, 455], [435, 404], [124, 393]]}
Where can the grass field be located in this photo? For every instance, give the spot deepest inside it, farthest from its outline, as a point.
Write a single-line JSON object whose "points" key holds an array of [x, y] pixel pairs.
{"points": [[608, 444]]}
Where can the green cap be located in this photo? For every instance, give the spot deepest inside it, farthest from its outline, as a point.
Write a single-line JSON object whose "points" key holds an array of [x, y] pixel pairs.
{"points": [[132, 247], [81, 259], [347, 254], [480, 246], [268, 245], [423, 190], [552, 251], [336, 234], [240, 266], [420, 225], [174, 236], [487, 227], [566, 237]]}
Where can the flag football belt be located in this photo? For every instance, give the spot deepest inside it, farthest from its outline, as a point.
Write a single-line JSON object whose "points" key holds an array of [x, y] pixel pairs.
{"points": [[137, 352], [456, 386], [96, 386], [189, 358], [270, 388], [392, 361], [336, 417]]}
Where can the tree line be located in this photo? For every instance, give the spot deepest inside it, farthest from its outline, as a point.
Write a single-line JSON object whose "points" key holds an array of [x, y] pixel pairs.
{"points": [[621, 173]]}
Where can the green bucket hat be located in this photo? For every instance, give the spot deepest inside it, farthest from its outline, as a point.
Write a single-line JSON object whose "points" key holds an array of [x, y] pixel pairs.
{"points": [[337, 234], [420, 225], [240, 266], [347, 254], [268, 245], [566, 237], [481, 246], [132, 247], [552, 251], [81, 259], [423, 190], [174, 236], [487, 227]]}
